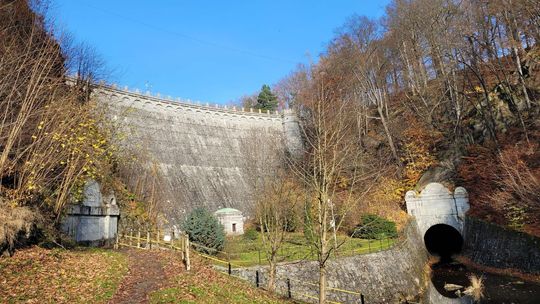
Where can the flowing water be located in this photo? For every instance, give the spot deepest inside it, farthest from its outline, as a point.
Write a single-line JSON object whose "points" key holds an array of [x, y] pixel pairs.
{"points": [[499, 289]]}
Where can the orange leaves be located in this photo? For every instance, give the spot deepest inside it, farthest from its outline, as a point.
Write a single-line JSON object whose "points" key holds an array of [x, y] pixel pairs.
{"points": [[419, 143], [504, 186]]}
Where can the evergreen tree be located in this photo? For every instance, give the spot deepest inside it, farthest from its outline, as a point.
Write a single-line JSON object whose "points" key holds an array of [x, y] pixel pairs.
{"points": [[266, 99], [204, 229]]}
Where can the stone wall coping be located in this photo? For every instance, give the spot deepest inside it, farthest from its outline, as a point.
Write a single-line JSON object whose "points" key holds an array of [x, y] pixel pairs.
{"points": [[187, 103]]}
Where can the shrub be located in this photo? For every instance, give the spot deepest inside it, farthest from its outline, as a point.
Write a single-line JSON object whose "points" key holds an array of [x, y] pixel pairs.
{"points": [[375, 227], [204, 229], [251, 234]]}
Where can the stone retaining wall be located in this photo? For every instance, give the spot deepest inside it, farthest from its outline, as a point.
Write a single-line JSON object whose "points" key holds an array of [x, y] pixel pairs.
{"points": [[383, 277], [496, 246]]}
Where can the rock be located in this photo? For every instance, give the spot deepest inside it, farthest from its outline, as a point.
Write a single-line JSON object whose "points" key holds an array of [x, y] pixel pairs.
{"points": [[452, 287]]}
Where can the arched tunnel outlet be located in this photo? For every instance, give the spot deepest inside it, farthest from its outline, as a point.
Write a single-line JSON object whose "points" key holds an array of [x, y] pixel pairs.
{"points": [[443, 240]]}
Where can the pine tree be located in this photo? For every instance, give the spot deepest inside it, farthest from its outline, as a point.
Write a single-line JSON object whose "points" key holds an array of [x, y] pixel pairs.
{"points": [[204, 228], [266, 99]]}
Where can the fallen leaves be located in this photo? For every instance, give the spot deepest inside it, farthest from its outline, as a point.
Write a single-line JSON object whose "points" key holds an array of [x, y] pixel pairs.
{"points": [[38, 275]]}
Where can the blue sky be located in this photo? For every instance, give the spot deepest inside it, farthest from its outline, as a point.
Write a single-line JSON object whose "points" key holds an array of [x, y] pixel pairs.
{"points": [[213, 51]]}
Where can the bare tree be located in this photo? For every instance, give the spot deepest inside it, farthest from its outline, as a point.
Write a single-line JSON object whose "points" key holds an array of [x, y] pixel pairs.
{"points": [[368, 77], [276, 214], [330, 171]]}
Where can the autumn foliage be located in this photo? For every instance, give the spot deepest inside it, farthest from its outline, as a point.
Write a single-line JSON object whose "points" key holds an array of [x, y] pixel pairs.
{"points": [[53, 138], [505, 186]]}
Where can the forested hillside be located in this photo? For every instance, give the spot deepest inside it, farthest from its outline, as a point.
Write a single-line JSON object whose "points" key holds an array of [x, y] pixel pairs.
{"points": [[53, 138], [436, 90]]}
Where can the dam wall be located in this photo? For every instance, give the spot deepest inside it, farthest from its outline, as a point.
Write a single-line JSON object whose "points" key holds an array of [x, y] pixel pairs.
{"points": [[202, 151]]}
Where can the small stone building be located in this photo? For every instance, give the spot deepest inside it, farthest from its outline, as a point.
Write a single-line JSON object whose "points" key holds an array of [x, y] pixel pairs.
{"points": [[95, 220], [232, 220]]}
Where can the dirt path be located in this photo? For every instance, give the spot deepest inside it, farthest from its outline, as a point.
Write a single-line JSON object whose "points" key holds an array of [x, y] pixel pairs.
{"points": [[146, 274]]}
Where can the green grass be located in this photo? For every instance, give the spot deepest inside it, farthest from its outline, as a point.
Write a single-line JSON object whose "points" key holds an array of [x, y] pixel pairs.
{"points": [[210, 287], [244, 252], [109, 283]]}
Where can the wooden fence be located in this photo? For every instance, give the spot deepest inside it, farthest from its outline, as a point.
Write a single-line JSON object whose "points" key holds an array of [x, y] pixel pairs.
{"points": [[155, 239]]}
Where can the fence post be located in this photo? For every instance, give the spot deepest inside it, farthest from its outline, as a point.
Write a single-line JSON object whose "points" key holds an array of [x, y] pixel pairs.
{"points": [[116, 241], [186, 249], [230, 270], [130, 236], [148, 241], [182, 246], [362, 298], [289, 294], [369, 245], [138, 239], [257, 278], [172, 239]]}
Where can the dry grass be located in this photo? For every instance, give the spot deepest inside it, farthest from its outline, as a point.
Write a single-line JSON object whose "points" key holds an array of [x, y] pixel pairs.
{"points": [[476, 290], [15, 221]]}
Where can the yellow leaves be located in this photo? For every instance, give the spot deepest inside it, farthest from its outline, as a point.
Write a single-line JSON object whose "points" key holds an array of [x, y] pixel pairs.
{"points": [[418, 156], [343, 182]]}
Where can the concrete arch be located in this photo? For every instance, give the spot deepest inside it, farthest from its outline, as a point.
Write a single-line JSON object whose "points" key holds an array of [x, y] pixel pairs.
{"points": [[437, 205]]}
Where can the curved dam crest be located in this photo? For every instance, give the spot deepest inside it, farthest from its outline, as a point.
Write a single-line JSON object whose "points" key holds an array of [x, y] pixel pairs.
{"points": [[200, 150]]}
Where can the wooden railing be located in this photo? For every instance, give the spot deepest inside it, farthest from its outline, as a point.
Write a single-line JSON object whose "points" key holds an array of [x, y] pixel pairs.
{"points": [[155, 239]]}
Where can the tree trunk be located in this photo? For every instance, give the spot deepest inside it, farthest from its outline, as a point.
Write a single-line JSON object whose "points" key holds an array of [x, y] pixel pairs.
{"points": [[272, 275], [388, 135], [322, 284]]}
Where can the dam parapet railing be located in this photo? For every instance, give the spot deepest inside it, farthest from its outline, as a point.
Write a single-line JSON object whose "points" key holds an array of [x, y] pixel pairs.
{"points": [[112, 90]]}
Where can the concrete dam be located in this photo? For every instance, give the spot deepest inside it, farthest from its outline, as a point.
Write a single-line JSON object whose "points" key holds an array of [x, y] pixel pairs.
{"points": [[199, 149]]}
